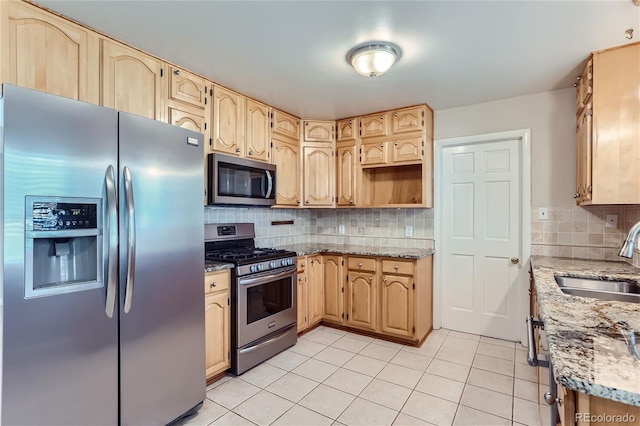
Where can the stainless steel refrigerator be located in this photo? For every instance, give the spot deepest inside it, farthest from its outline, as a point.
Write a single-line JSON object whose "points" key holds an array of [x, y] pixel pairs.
{"points": [[102, 298]]}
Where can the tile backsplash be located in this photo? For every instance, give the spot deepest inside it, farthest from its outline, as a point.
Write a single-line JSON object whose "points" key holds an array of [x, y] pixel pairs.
{"points": [[367, 227], [580, 232]]}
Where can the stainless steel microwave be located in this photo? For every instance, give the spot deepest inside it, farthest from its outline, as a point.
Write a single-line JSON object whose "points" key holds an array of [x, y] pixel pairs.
{"points": [[240, 181]]}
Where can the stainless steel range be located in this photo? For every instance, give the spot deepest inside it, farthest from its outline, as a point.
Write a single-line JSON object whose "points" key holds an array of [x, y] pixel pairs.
{"points": [[263, 293]]}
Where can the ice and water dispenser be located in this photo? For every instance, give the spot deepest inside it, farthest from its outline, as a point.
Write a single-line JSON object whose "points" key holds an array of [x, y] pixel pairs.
{"points": [[63, 245]]}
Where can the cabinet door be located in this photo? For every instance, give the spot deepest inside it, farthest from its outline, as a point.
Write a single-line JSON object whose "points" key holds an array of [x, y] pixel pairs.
{"points": [[228, 121], [347, 129], [284, 124], [43, 52], [373, 125], [318, 165], [346, 176], [216, 316], [584, 87], [583, 156], [131, 81], [188, 88], [361, 295], [303, 302], [183, 117], [319, 131], [286, 157], [315, 280], [333, 289], [407, 150], [407, 120], [257, 131], [397, 305], [374, 154]]}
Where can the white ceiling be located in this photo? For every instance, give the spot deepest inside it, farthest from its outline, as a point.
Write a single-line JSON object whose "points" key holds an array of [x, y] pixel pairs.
{"points": [[292, 54]]}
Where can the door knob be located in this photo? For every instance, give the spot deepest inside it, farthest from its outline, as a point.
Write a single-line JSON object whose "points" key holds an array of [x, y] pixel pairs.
{"points": [[515, 260]]}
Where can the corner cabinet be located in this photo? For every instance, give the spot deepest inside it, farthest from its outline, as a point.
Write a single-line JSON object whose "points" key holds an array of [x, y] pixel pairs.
{"points": [[44, 52], [217, 322], [607, 129], [318, 163], [346, 175]]}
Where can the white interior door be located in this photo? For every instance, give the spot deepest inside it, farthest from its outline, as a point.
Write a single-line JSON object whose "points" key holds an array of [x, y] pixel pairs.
{"points": [[481, 233]]}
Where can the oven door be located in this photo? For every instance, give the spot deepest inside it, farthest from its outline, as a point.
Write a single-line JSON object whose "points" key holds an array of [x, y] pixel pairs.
{"points": [[266, 303]]}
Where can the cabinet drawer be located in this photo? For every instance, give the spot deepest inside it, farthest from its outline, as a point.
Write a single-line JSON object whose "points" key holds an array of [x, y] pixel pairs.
{"points": [[302, 264], [397, 267], [216, 281], [362, 264]]}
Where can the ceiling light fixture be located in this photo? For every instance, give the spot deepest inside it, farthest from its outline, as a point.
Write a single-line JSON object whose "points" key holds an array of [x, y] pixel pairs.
{"points": [[373, 58]]}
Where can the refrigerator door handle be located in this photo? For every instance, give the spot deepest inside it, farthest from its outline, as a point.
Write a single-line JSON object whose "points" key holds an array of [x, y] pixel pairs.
{"points": [[131, 239], [112, 235]]}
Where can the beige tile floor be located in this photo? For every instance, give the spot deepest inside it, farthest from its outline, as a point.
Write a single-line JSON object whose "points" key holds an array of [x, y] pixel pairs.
{"points": [[335, 377]]}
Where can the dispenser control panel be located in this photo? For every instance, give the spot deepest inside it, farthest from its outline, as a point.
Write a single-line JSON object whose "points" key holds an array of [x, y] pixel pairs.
{"points": [[54, 216]]}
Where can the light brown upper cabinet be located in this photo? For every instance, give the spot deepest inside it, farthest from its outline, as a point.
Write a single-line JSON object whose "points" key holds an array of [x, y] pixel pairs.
{"points": [[257, 116], [284, 124], [44, 52], [187, 88], [346, 175], [318, 175], [228, 121], [407, 120], [608, 152], [131, 81], [286, 157], [374, 125], [348, 129], [319, 131], [185, 118]]}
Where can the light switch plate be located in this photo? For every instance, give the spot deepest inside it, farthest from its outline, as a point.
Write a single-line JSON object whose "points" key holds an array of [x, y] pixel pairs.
{"points": [[341, 229], [611, 221], [543, 213], [408, 231]]}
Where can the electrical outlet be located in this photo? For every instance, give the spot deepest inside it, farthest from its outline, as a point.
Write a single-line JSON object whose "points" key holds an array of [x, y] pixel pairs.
{"points": [[543, 213], [341, 229], [611, 221], [408, 231]]}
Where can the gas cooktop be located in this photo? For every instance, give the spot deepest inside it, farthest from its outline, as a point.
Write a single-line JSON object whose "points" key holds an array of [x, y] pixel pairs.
{"points": [[247, 255]]}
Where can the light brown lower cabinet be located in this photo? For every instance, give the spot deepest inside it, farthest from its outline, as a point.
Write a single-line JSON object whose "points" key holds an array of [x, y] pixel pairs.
{"points": [[309, 291], [580, 409], [217, 325], [302, 302], [391, 297]]}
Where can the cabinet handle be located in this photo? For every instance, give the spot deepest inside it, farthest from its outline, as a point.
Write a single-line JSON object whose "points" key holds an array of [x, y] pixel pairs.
{"points": [[382, 145], [237, 149], [395, 114], [370, 279], [360, 264], [384, 279], [299, 278], [302, 264], [396, 267], [306, 123], [250, 153], [382, 117], [306, 202], [313, 261], [395, 143], [350, 121], [351, 202], [298, 201], [176, 72], [576, 195], [212, 285]]}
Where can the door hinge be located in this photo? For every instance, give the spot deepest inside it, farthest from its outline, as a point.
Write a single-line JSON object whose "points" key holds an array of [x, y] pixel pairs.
{"points": [[205, 99], [423, 152], [342, 262], [414, 286], [342, 289], [161, 72], [347, 317], [347, 278], [423, 122], [228, 354], [210, 141], [343, 315], [423, 113], [413, 329], [271, 144], [205, 126], [211, 92], [228, 302]]}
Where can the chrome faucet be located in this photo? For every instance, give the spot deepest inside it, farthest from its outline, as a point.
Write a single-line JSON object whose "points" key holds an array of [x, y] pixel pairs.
{"points": [[630, 242]]}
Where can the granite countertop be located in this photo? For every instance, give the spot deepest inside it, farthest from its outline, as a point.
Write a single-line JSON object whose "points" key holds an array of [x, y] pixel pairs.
{"points": [[586, 344], [315, 248], [210, 266]]}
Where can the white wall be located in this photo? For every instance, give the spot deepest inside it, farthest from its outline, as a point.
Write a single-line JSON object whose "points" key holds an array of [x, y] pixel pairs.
{"points": [[551, 118]]}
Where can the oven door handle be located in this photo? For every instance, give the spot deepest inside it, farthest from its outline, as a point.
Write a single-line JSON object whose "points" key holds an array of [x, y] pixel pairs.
{"points": [[266, 278]]}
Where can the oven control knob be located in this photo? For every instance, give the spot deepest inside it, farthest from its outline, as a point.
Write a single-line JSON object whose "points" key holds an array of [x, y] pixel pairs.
{"points": [[289, 262], [272, 265], [283, 262], [260, 267], [252, 268]]}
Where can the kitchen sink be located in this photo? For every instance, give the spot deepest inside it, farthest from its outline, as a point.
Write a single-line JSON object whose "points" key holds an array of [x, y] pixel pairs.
{"points": [[622, 291]]}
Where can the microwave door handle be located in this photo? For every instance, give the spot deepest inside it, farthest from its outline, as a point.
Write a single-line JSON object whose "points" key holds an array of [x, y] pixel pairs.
{"points": [[269, 183], [112, 240], [131, 239]]}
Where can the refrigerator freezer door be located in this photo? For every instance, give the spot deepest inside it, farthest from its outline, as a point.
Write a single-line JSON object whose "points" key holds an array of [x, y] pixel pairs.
{"points": [[60, 351], [162, 362]]}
